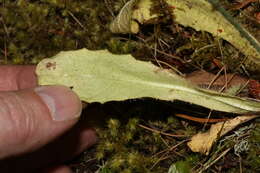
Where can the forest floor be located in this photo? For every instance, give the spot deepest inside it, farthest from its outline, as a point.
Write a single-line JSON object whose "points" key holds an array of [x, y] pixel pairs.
{"points": [[144, 135]]}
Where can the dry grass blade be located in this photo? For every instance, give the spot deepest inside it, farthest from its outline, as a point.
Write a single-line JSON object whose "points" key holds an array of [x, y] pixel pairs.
{"points": [[208, 165], [160, 132]]}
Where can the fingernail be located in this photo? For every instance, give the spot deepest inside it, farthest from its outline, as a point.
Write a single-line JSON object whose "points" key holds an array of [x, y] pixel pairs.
{"points": [[61, 101]]}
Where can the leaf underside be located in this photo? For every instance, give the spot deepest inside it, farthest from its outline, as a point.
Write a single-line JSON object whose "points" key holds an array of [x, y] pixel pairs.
{"points": [[99, 76]]}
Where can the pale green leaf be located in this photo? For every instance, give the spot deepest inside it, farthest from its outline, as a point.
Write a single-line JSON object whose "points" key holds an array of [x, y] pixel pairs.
{"points": [[99, 76]]}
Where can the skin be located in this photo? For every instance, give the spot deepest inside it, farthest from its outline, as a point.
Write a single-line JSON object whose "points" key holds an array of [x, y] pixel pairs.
{"points": [[31, 140]]}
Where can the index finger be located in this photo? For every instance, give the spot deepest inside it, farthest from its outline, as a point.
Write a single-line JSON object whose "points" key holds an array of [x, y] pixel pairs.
{"points": [[15, 77]]}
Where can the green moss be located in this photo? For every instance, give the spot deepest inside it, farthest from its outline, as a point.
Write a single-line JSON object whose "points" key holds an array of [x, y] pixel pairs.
{"points": [[136, 149], [117, 45], [253, 158], [37, 29]]}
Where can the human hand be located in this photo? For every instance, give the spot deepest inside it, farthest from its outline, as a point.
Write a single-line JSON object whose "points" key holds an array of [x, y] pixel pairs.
{"points": [[33, 122]]}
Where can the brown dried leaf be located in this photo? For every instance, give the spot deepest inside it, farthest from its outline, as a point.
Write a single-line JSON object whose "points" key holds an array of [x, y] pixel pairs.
{"points": [[204, 80], [202, 142], [254, 89]]}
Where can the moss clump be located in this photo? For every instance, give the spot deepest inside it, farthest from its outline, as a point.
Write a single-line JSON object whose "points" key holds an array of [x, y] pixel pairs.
{"points": [[252, 160], [121, 46], [116, 145], [37, 29], [131, 148]]}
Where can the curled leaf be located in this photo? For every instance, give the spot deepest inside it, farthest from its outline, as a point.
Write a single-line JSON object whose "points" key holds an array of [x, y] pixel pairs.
{"points": [[123, 23], [202, 15]]}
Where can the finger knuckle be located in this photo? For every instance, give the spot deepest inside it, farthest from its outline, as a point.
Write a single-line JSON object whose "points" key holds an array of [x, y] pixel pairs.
{"points": [[17, 118]]}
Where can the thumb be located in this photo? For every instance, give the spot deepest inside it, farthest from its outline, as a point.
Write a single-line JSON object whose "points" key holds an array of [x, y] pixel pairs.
{"points": [[31, 118]]}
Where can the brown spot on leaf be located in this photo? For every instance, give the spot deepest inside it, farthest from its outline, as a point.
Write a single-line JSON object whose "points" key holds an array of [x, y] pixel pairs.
{"points": [[51, 65], [220, 30]]}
